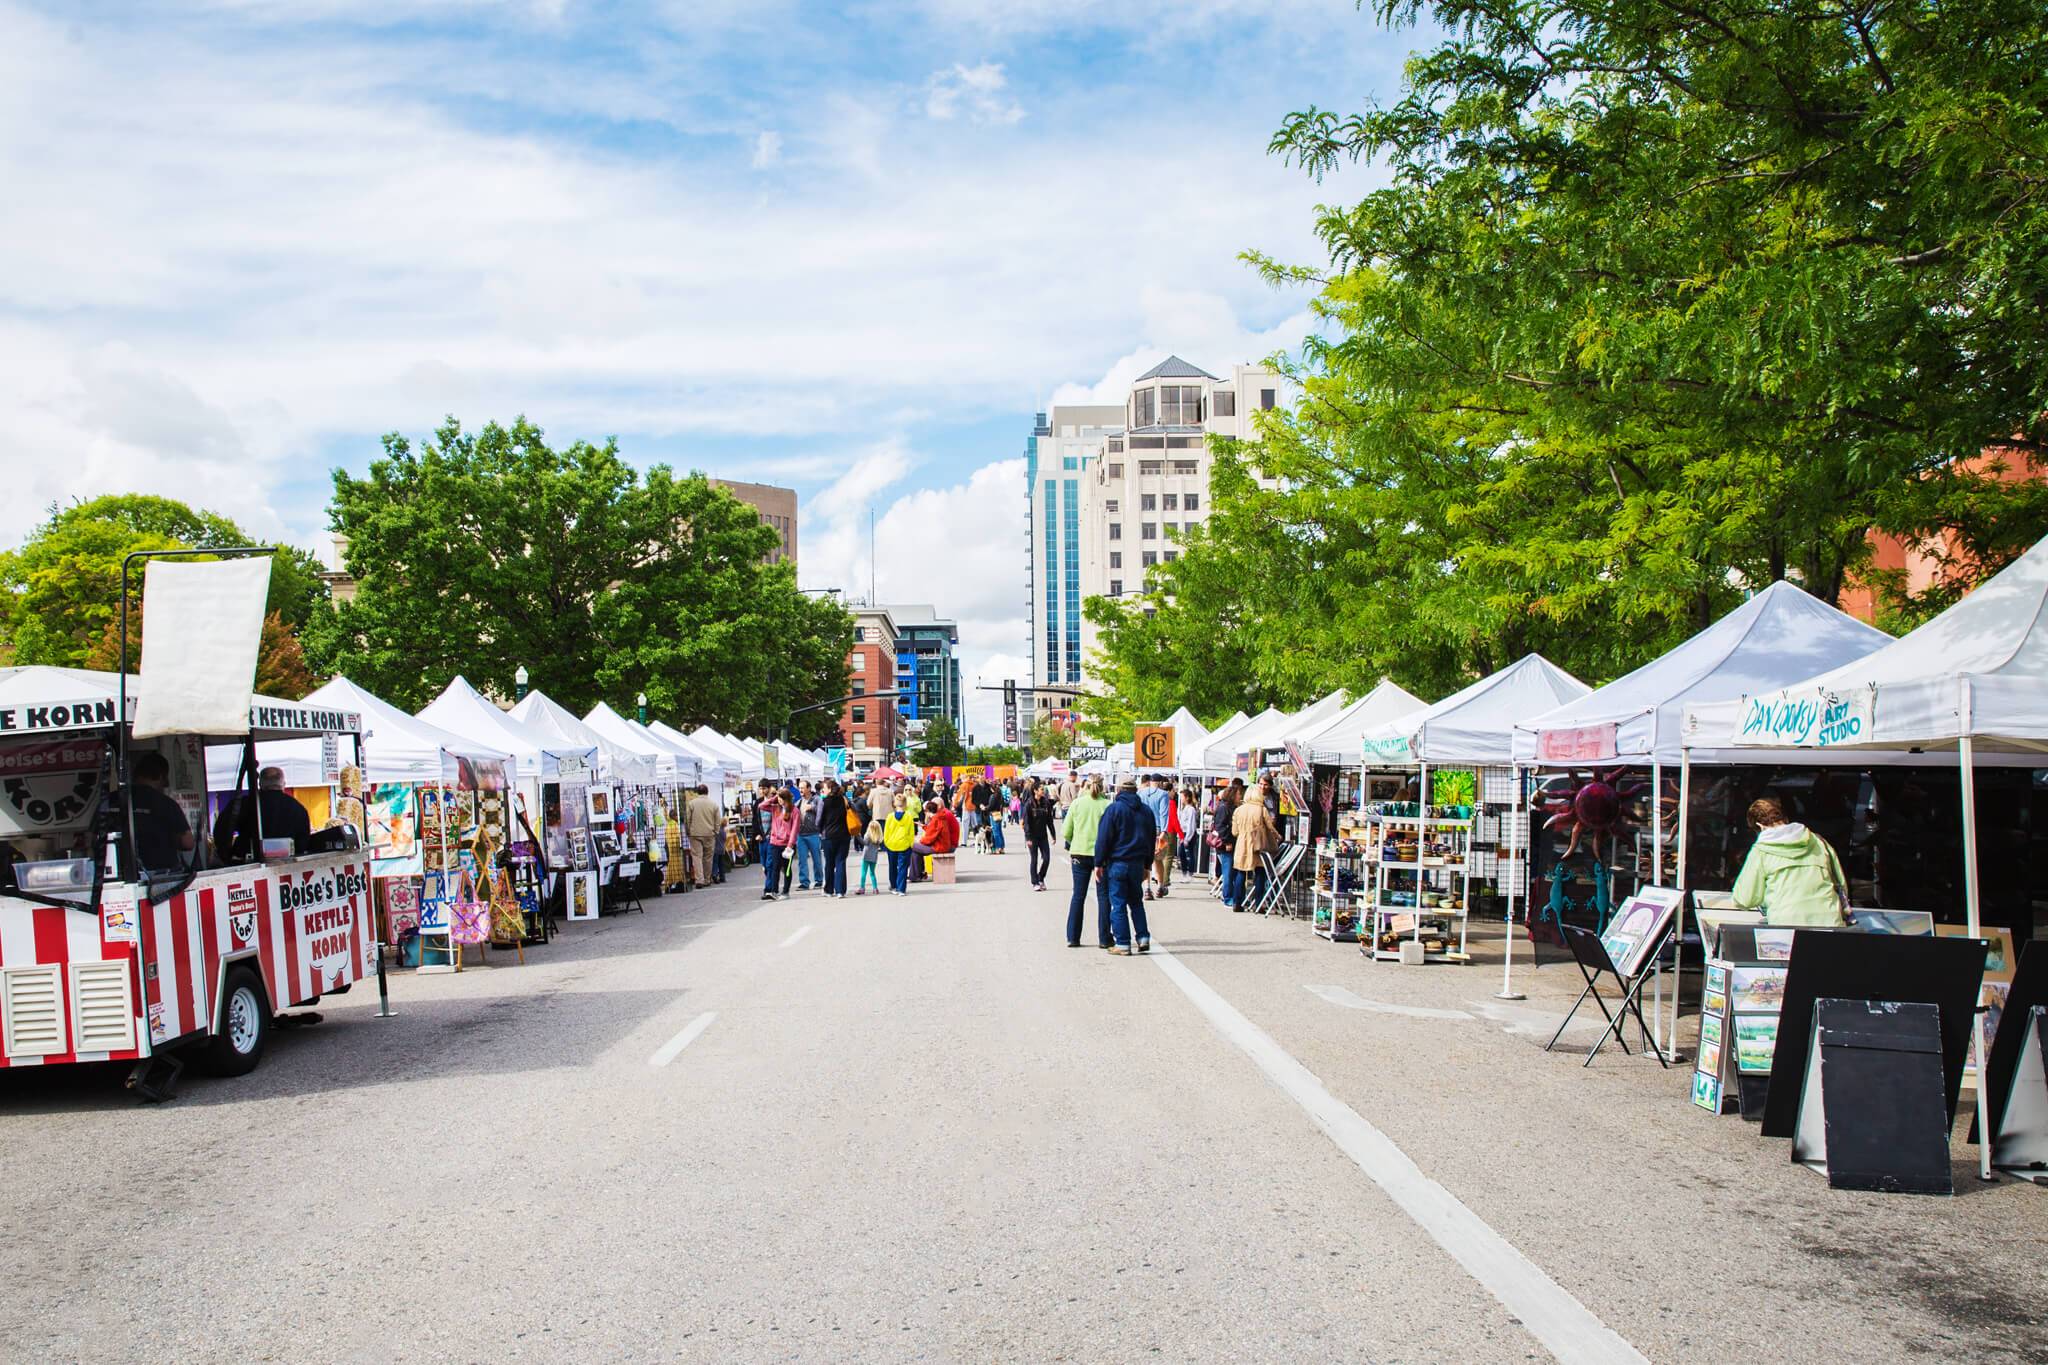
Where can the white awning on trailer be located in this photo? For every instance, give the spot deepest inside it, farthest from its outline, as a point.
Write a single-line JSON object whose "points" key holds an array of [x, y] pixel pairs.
{"points": [[397, 747], [1475, 727], [543, 713], [1337, 740], [462, 710], [1778, 636], [1980, 669], [49, 699]]}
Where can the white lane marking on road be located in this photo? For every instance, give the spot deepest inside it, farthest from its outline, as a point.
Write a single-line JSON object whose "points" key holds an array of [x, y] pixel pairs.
{"points": [[673, 1048], [1565, 1327], [797, 937], [1337, 995]]}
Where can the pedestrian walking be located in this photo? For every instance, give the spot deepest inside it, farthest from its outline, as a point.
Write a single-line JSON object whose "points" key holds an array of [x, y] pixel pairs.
{"points": [[1257, 835], [781, 844], [702, 821], [835, 833], [899, 836], [1038, 831], [1190, 813], [1079, 830], [1223, 839], [870, 848], [1155, 791], [1124, 844], [810, 843]]}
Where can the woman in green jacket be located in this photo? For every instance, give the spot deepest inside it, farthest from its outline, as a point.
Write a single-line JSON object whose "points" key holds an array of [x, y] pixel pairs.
{"points": [[1791, 874]]}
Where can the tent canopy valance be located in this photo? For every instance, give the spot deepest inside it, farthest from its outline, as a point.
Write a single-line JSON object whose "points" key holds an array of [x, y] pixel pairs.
{"points": [[1475, 727], [544, 714], [1337, 741], [462, 710], [397, 747]]}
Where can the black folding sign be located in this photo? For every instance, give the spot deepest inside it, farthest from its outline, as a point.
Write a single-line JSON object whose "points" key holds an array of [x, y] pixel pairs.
{"points": [[1870, 1107]]}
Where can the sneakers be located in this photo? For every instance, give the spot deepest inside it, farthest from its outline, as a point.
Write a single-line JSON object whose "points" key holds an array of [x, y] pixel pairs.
{"points": [[767, 895], [1118, 950], [1074, 945], [1144, 945]]}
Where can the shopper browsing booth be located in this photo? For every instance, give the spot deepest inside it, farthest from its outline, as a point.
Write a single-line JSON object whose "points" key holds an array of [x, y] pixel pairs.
{"points": [[1791, 874]]}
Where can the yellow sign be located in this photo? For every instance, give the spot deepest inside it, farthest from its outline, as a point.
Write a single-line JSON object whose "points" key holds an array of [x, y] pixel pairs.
{"points": [[1153, 746]]}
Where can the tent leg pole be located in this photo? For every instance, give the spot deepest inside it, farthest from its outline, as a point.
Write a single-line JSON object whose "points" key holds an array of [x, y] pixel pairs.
{"points": [[1966, 752], [1678, 934], [1662, 1044], [1507, 989]]}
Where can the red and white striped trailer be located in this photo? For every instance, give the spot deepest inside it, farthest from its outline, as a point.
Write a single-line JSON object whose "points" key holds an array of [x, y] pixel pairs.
{"points": [[189, 966]]}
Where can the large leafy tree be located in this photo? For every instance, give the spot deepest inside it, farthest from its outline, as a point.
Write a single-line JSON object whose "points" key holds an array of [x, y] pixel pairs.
{"points": [[60, 591], [1663, 301], [478, 552]]}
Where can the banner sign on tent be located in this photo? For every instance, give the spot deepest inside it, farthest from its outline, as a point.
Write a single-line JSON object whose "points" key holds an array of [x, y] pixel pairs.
{"points": [[1580, 744], [1809, 718], [771, 759], [1395, 750], [1153, 745]]}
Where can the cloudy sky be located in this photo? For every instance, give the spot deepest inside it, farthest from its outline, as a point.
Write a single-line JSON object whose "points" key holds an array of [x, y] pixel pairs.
{"points": [[848, 247]]}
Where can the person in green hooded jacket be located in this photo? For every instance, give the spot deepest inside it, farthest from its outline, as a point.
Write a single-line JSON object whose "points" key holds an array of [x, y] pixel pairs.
{"points": [[1791, 874]]}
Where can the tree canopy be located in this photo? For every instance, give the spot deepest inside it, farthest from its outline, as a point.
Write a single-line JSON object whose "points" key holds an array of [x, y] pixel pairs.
{"points": [[60, 591], [481, 552], [1662, 302]]}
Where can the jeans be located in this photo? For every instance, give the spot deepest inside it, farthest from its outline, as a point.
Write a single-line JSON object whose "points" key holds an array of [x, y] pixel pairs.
{"points": [[1041, 860], [899, 870], [810, 860], [995, 834], [919, 851], [1127, 902], [1233, 882], [1188, 848], [1084, 872], [773, 867], [835, 864]]}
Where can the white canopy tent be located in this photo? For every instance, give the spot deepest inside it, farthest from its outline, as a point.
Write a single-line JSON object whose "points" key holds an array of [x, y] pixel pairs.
{"points": [[1337, 741], [544, 714], [1190, 737], [396, 747], [671, 765], [1309, 720], [1971, 680], [1233, 739], [714, 765], [746, 765], [462, 710]]}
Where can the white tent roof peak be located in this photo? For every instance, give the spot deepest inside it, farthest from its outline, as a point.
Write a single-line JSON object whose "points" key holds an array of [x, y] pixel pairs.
{"points": [[620, 763], [1778, 636], [465, 711], [1476, 724], [1337, 740]]}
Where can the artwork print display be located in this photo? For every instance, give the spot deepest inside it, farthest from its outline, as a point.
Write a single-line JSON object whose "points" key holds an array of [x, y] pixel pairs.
{"points": [[1756, 1041], [393, 829], [401, 905], [1761, 989], [1706, 1090]]}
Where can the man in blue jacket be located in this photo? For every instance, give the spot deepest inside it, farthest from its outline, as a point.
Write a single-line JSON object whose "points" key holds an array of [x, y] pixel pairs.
{"points": [[1124, 843]]}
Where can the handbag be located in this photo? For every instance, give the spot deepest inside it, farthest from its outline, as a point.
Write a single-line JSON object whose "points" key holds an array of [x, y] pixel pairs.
{"points": [[852, 820]]}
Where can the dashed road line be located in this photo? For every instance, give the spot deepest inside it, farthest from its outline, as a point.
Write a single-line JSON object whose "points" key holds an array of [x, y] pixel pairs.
{"points": [[673, 1048]]}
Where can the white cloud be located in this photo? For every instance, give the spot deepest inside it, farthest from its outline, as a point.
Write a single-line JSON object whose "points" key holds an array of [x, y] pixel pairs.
{"points": [[767, 149], [978, 90], [1199, 327]]}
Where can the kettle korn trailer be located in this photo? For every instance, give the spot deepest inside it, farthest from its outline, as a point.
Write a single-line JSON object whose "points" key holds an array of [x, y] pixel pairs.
{"points": [[102, 960]]}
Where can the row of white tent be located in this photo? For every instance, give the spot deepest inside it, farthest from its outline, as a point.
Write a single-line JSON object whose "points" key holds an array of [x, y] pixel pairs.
{"points": [[537, 737]]}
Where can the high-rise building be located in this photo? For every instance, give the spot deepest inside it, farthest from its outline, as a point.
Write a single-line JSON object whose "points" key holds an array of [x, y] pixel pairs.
{"points": [[927, 669], [870, 728], [777, 507], [1110, 491]]}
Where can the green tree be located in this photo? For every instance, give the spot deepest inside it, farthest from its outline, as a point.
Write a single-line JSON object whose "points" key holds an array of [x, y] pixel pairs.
{"points": [[479, 552], [60, 591], [1658, 304], [941, 744], [1051, 741]]}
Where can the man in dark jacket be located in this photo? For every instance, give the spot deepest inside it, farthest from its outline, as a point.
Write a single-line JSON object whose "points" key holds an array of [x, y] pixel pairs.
{"points": [[1123, 845]]}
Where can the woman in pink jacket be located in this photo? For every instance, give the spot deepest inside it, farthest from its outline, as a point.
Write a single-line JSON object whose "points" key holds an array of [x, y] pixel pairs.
{"points": [[781, 862]]}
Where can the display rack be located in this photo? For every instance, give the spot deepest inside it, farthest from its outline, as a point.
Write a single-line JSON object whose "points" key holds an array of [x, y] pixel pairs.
{"points": [[1419, 884], [1340, 889]]}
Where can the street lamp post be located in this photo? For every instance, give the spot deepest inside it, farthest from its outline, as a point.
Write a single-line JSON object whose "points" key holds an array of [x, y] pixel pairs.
{"points": [[519, 683], [641, 702]]}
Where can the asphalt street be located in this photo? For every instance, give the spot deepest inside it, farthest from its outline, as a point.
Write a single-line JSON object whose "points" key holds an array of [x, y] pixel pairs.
{"points": [[925, 1129]]}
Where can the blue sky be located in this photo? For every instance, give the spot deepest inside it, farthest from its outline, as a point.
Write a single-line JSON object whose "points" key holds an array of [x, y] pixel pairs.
{"points": [[847, 248]]}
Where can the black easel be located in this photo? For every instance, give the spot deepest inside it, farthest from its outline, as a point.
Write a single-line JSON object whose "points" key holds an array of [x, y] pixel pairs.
{"points": [[1591, 955]]}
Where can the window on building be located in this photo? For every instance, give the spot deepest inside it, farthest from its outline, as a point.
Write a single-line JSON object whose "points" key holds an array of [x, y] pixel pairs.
{"points": [[1144, 408], [1151, 558], [1116, 530], [1266, 398], [1109, 506], [860, 689], [860, 739], [1116, 559], [1148, 530], [1180, 405], [1116, 446], [1194, 502], [1173, 530], [1186, 466], [1116, 471], [1223, 403], [1172, 555], [860, 713], [1183, 442], [1151, 466], [1116, 587], [856, 662], [1148, 443], [1171, 501], [1148, 502]]}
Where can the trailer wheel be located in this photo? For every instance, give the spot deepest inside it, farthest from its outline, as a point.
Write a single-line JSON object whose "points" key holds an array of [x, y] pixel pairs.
{"points": [[244, 1027]]}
